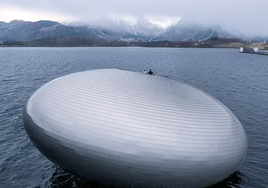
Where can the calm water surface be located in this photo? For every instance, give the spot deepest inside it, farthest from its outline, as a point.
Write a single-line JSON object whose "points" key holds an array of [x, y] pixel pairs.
{"points": [[240, 81]]}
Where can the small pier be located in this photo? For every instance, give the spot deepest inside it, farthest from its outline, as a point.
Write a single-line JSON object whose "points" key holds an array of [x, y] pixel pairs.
{"points": [[253, 51]]}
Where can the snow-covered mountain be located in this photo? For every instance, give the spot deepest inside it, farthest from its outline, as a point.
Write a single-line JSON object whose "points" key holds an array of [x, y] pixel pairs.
{"points": [[111, 28], [152, 29], [140, 29], [196, 32]]}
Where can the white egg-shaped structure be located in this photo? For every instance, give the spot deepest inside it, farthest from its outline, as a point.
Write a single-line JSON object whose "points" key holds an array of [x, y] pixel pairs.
{"points": [[129, 129]]}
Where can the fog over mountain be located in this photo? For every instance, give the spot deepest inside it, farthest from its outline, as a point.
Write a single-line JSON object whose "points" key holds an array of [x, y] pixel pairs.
{"points": [[239, 17], [141, 29]]}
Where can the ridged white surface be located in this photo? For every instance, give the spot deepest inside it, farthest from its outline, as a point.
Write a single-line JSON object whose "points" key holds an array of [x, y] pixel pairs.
{"points": [[131, 129]]}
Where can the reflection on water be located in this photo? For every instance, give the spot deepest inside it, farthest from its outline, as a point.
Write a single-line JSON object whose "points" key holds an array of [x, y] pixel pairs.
{"points": [[62, 178], [233, 181]]}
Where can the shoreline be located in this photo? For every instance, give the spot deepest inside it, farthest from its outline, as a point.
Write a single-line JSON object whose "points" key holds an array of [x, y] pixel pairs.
{"points": [[89, 42]]}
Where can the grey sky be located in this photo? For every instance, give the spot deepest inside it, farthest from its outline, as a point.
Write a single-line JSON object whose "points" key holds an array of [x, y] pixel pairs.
{"points": [[248, 17]]}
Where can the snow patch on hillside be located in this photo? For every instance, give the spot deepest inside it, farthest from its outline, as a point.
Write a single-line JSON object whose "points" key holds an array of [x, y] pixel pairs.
{"points": [[163, 22]]}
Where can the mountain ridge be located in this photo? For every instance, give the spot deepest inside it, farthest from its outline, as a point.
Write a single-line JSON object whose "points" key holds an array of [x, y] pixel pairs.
{"points": [[108, 29]]}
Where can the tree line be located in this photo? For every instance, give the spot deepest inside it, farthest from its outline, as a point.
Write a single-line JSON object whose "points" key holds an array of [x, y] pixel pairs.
{"points": [[91, 42]]}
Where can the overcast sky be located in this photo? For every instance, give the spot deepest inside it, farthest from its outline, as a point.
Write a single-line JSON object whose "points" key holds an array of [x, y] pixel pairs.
{"points": [[248, 17]]}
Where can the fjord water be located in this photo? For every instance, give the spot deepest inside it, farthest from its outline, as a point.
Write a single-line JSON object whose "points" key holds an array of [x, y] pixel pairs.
{"points": [[240, 81]]}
